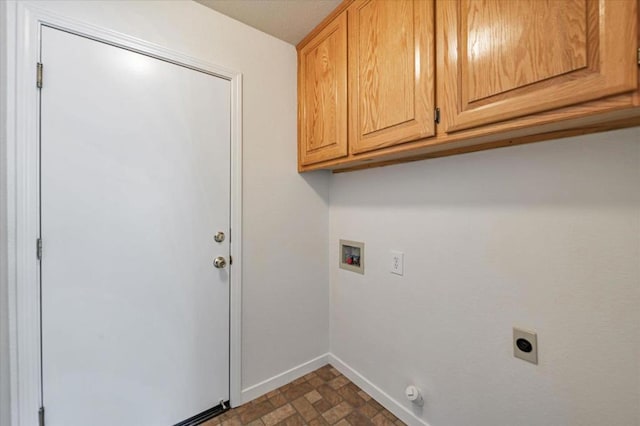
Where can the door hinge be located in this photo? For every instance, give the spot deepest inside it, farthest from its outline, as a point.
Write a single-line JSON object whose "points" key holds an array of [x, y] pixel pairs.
{"points": [[39, 248], [39, 75], [638, 55], [41, 416], [437, 116]]}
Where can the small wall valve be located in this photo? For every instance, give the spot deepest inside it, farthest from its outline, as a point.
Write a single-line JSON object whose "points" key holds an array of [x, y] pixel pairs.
{"points": [[413, 395]]}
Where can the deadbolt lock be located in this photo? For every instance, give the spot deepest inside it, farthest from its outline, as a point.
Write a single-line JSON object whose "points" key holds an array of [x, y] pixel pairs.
{"points": [[219, 237]]}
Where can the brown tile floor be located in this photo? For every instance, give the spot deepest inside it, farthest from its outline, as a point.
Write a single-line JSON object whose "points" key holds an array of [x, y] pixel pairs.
{"points": [[323, 397]]}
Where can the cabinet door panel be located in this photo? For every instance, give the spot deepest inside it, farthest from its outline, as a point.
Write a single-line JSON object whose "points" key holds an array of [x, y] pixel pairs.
{"points": [[540, 41], [503, 59], [322, 82], [391, 78], [386, 67]]}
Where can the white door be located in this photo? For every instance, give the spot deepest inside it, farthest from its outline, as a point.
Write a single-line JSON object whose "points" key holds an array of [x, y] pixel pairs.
{"points": [[135, 164]]}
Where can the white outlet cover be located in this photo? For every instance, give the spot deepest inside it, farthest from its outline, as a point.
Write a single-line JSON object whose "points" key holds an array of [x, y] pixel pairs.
{"points": [[397, 262]]}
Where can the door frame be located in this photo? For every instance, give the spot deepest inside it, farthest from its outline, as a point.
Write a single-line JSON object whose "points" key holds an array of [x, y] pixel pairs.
{"points": [[25, 20]]}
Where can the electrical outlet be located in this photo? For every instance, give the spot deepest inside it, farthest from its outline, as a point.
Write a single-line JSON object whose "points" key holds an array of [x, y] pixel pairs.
{"points": [[397, 262], [525, 345]]}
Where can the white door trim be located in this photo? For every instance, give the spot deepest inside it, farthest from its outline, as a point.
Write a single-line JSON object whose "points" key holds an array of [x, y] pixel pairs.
{"points": [[23, 196]]}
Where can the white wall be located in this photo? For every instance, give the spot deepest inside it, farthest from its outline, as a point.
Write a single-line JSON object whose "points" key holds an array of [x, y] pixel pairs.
{"points": [[543, 236], [285, 292]]}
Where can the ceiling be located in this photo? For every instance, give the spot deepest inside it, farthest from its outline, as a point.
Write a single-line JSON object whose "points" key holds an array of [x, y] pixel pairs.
{"points": [[288, 20]]}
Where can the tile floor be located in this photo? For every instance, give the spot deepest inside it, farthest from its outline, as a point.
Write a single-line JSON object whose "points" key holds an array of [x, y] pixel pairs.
{"points": [[323, 397]]}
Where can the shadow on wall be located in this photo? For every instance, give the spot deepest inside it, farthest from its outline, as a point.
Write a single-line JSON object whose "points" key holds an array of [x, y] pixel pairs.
{"points": [[317, 180], [577, 171]]}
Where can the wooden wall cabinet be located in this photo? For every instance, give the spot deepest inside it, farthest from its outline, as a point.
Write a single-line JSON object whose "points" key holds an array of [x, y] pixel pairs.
{"points": [[322, 95], [500, 72], [506, 59], [391, 73]]}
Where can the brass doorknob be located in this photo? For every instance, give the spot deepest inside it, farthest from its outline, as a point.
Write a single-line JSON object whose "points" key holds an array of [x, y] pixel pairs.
{"points": [[219, 262]]}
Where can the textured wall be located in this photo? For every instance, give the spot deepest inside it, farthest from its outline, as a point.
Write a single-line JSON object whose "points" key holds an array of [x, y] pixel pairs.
{"points": [[543, 236]]}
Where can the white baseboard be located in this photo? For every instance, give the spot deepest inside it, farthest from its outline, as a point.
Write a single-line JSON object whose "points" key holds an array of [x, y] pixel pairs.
{"points": [[376, 393], [257, 390], [266, 386]]}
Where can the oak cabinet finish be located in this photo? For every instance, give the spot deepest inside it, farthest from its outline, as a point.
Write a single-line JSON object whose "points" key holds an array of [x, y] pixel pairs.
{"points": [[500, 73], [322, 97], [511, 58], [391, 67]]}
